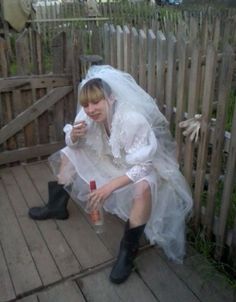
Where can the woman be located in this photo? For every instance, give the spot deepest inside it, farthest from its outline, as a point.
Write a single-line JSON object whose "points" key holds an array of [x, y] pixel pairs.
{"points": [[121, 139]]}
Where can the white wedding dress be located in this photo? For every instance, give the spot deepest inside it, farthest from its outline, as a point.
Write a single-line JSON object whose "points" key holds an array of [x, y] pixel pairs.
{"points": [[142, 150]]}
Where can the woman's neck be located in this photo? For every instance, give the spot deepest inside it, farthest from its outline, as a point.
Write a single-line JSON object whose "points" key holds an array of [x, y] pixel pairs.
{"points": [[107, 128]]}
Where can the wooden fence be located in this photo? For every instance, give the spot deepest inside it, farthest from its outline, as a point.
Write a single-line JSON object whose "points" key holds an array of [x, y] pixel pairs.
{"points": [[183, 78], [206, 24], [186, 81]]}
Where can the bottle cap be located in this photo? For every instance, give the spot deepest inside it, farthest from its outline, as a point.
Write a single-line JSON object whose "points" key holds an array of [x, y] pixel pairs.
{"points": [[92, 185]]}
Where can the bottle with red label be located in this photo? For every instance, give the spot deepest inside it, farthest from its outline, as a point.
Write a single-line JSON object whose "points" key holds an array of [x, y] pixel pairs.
{"points": [[96, 215]]}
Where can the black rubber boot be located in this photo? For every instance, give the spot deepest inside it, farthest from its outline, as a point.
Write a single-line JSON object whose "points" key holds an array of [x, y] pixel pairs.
{"points": [[128, 251], [57, 204]]}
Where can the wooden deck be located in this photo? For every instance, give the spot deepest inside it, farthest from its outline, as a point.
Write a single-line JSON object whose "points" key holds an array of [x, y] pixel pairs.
{"points": [[66, 261]]}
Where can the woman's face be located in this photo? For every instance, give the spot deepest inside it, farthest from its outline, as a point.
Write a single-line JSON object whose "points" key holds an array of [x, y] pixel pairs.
{"points": [[97, 111]]}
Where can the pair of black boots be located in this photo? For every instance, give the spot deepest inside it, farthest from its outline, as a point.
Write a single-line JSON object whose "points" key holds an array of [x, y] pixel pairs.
{"points": [[57, 208]]}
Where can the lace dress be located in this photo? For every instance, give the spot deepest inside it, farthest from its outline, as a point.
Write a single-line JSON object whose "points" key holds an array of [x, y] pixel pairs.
{"points": [[134, 149]]}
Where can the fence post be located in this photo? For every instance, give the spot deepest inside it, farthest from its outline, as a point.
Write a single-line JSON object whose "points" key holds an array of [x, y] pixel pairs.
{"points": [[142, 59], [170, 76], [192, 100], [160, 69], [209, 82], [120, 47], [106, 43], [127, 49], [23, 54], [151, 63], [182, 69], [23, 61], [113, 46], [134, 53], [58, 66]]}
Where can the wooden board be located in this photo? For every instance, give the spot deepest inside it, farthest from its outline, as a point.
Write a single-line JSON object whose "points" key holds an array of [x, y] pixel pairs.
{"points": [[163, 282], [20, 264], [64, 292], [97, 287], [57, 244], [46, 266], [203, 279], [6, 290]]}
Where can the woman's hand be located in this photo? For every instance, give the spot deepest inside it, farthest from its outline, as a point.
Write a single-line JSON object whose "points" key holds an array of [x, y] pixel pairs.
{"points": [[79, 130], [98, 197]]}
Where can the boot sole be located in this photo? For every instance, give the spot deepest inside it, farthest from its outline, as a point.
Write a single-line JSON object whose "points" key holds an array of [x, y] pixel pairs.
{"points": [[49, 216], [119, 281]]}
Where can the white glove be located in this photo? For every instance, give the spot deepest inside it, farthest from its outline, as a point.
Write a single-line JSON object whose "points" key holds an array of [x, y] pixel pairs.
{"points": [[192, 127]]}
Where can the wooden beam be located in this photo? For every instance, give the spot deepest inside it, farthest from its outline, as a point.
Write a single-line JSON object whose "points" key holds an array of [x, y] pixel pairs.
{"points": [[33, 112], [88, 19], [22, 154], [40, 81]]}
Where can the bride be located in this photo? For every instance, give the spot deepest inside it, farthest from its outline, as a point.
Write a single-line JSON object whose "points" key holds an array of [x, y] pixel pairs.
{"points": [[121, 139]]}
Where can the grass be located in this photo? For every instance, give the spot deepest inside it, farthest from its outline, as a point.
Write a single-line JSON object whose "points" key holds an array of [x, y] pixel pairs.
{"points": [[230, 112], [227, 273]]}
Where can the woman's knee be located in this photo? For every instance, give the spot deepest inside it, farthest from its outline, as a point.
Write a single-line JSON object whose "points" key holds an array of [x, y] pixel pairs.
{"points": [[143, 189]]}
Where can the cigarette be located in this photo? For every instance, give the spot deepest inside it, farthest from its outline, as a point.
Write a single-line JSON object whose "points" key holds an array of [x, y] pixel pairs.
{"points": [[78, 125]]}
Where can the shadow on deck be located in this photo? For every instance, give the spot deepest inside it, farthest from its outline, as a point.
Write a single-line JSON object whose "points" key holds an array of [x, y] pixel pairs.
{"points": [[66, 261]]}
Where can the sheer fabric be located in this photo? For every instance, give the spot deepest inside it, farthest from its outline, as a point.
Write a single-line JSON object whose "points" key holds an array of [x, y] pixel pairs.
{"points": [[139, 146]]}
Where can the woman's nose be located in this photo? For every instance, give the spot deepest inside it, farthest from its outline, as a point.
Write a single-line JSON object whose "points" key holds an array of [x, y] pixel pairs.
{"points": [[90, 107]]}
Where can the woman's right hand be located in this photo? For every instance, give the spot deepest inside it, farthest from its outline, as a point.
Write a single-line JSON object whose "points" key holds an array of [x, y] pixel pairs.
{"points": [[79, 130]]}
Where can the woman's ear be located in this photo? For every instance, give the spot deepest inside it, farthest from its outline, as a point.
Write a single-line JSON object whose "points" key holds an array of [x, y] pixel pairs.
{"points": [[112, 98]]}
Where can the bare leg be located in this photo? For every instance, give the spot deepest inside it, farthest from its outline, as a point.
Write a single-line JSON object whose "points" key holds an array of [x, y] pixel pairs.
{"points": [[141, 208], [66, 171], [140, 213]]}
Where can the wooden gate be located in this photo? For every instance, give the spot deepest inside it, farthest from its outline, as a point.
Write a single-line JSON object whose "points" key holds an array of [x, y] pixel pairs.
{"points": [[35, 105]]}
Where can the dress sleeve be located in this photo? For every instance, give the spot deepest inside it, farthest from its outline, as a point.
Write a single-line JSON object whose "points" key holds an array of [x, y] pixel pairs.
{"points": [[140, 146], [68, 128]]}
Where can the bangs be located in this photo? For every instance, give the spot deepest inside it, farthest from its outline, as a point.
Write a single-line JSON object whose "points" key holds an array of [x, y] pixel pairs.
{"points": [[90, 95], [93, 91]]}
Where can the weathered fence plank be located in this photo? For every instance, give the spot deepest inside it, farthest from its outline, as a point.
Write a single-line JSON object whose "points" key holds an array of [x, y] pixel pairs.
{"points": [[142, 59], [127, 49], [134, 53], [160, 69], [192, 108], [59, 57], [225, 79], [182, 69], [25, 153], [151, 54], [205, 127], [170, 78], [120, 47], [113, 46]]}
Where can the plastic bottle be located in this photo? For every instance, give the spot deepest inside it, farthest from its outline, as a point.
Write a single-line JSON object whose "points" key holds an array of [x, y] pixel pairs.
{"points": [[96, 216]]}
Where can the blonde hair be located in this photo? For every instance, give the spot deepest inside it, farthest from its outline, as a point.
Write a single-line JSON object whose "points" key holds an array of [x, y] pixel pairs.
{"points": [[93, 91]]}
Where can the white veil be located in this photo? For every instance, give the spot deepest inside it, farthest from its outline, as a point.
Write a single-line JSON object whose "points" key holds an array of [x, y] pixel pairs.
{"points": [[130, 96], [126, 92]]}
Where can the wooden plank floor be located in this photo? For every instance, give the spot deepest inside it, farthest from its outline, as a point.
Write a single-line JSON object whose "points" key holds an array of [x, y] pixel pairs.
{"points": [[67, 261]]}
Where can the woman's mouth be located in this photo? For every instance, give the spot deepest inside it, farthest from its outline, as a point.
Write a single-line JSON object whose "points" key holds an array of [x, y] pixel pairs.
{"points": [[94, 116]]}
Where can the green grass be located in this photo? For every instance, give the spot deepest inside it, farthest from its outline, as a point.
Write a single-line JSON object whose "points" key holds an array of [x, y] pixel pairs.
{"points": [[205, 247], [230, 112]]}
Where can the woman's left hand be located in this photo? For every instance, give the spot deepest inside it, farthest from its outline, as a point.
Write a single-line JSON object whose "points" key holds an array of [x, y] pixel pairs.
{"points": [[98, 197]]}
